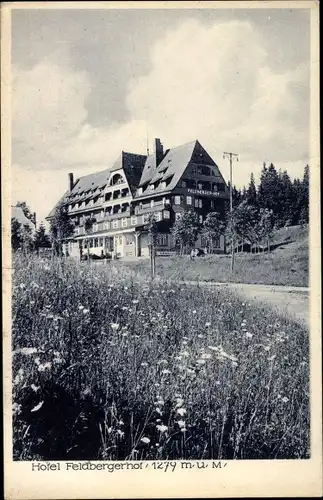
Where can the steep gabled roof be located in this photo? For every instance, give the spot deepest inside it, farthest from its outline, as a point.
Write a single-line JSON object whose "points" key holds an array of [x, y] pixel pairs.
{"points": [[133, 166], [172, 166], [18, 214]]}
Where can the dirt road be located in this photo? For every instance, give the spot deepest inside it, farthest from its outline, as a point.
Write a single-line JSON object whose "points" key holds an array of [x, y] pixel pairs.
{"points": [[291, 301]]}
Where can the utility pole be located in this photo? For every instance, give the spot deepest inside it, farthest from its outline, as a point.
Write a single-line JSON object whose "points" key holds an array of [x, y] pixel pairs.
{"points": [[236, 157]]}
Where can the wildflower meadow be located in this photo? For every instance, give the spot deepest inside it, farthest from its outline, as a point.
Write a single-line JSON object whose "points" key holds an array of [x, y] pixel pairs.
{"points": [[108, 364]]}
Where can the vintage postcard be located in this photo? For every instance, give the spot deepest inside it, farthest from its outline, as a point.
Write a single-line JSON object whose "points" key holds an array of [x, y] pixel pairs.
{"points": [[161, 249]]}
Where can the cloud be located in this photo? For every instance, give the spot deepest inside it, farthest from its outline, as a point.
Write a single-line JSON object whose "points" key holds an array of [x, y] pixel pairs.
{"points": [[214, 83]]}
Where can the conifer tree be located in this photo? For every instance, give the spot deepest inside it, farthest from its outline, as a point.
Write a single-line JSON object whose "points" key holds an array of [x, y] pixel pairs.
{"points": [[251, 192]]}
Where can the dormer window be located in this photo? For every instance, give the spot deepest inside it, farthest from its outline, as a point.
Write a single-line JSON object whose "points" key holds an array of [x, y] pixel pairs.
{"points": [[139, 190], [152, 187], [163, 185]]}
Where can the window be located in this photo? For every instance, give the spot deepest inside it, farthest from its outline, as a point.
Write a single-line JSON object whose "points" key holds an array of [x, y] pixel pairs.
{"points": [[166, 214], [106, 225], [100, 242], [189, 200], [177, 200], [133, 221], [107, 196], [200, 203], [200, 219], [95, 227], [196, 203], [162, 239], [199, 185], [163, 185], [212, 203], [152, 203], [91, 243], [184, 184], [139, 191], [205, 171], [124, 222], [96, 242], [152, 187], [115, 224], [158, 216]]}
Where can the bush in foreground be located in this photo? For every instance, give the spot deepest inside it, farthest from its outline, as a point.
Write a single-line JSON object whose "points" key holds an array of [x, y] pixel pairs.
{"points": [[107, 365]]}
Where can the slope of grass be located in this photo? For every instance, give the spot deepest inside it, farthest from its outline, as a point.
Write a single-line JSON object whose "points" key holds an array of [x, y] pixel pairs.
{"points": [[108, 365], [285, 265]]}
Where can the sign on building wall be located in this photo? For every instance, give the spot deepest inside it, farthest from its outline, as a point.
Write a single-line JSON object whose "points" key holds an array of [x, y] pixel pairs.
{"points": [[203, 192]]}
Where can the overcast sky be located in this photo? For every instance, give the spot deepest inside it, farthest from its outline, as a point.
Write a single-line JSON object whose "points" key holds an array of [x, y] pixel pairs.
{"points": [[90, 83]]}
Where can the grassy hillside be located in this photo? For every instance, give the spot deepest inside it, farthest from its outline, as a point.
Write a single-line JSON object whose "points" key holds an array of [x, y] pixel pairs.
{"points": [[286, 264]]}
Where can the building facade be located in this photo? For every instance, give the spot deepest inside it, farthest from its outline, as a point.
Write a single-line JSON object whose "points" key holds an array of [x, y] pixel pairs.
{"points": [[120, 200]]}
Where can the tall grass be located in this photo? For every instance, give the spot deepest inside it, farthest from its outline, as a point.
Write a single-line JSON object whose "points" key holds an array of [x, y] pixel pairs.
{"points": [[108, 365]]}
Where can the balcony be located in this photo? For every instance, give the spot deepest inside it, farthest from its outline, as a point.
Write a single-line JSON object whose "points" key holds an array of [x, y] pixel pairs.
{"points": [[123, 221]]}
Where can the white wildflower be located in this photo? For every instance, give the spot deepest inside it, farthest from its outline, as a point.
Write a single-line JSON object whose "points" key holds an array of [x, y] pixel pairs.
{"points": [[181, 423], [37, 407], [206, 356], [248, 335], [162, 428], [115, 326], [44, 366], [28, 350], [181, 411], [145, 440]]}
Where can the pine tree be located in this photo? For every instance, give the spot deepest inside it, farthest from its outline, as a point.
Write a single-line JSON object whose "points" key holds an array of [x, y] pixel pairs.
{"points": [[305, 195], [236, 196], [285, 196], [251, 192], [268, 189], [186, 230]]}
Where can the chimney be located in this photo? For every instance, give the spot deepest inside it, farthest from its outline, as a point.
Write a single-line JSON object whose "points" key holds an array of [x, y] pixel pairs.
{"points": [[70, 181], [159, 151], [34, 218]]}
